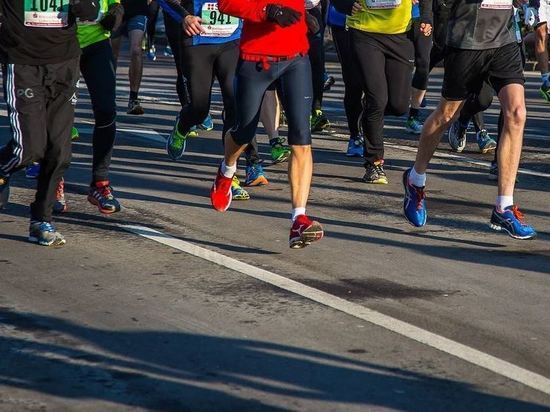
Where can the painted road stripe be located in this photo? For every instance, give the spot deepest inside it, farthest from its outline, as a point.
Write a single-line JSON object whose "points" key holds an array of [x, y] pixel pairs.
{"points": [[471, 355]]}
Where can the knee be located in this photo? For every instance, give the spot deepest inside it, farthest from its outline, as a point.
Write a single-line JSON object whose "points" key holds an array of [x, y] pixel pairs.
{"points": [[136, 52], [301, 151], [105, 117], [446, 113], [516, 116]]}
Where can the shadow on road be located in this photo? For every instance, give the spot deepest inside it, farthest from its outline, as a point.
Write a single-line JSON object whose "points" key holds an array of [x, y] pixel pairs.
{"points": [[162, 370]]}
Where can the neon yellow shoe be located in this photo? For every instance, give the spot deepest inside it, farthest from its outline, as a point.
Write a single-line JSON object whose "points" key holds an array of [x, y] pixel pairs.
{"points": [[74, 133], [238, 192]]}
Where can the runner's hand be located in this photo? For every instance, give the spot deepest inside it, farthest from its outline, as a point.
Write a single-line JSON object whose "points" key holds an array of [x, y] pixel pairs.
{"points": [[283, 16], [426, 29], [192, 26], [357, 7], [312, 23]]}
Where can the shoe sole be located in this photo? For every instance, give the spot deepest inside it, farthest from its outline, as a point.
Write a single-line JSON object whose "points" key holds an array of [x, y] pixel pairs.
{"points": [[94, 202], [499, 228], [261, 181], [312, 234], [136, 112], [376, 182], [53, 243]]}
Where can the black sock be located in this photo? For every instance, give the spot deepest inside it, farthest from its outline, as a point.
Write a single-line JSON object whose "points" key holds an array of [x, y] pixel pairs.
{"points": [[133, 95], [413, 112]]}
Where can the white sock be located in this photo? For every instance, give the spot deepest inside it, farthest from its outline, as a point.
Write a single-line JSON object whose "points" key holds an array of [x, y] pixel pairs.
{"points": [[297, 212], [417, 179], [228, 171], [503, 202]]}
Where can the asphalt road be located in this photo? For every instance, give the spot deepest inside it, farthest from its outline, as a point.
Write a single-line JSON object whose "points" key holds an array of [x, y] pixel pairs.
{"points": [[116, 321]]}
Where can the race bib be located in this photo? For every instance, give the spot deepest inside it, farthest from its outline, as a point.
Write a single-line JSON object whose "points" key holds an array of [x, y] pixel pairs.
{"points": [[383, 4], [216, 24], [496, 4], [46, 13]]}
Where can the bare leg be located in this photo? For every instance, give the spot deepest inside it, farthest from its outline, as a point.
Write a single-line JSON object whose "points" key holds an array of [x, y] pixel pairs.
{"points": [[136, 63], [115, 44], [300, 170], [417, 96], [232, 150], [512, 99], [433, 129]]}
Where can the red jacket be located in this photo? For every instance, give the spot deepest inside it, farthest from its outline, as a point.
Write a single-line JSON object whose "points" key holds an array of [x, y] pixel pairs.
{"points": [[261, 38]]}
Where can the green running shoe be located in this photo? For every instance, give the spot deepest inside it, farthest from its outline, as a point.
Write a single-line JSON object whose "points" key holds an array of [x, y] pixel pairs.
{"points": [[176, 143], [74, 133], [318, 121]]}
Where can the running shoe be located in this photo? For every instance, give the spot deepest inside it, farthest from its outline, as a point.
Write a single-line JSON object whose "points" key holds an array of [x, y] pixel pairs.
{"points": [[413, 125], [304, 231], [60, 205], [168, 51], [176, 143], [4, 191], [221, 193], [355, 147], [414, 203], [207, 124], [44, 233], [457, 137], [101, 195], [193, 132], [485, 142], [32, 171], [545, 88], [511, 220], [74, 133], [493, 171], [152, 54], [329, 82], [318, 121], [375, 174], [134, 107], [280, 152], [237, 192], [255, 175]]}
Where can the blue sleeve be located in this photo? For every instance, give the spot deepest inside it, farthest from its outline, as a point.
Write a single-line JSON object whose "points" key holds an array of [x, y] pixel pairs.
{"points": [[174, 9]]}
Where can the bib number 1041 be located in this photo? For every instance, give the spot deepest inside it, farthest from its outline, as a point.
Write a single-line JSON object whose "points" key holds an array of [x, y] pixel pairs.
{"points": [[46, 5]]}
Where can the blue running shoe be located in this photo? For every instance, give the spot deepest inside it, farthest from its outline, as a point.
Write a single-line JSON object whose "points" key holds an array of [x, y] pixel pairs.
{"points": [[32, 171], [4, 191], [255, 175], [355, 147], [45, 234], [414, 204], [511, 221], [485, 142], [207, 124]]}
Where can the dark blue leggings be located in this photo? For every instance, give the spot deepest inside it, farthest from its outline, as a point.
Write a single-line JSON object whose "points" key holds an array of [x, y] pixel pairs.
{"points": [[293, 80]]}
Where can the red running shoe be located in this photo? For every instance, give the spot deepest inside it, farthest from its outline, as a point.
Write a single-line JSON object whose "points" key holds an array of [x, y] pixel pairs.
{"points": [[220, 194], [304, 231], [101, 195]]}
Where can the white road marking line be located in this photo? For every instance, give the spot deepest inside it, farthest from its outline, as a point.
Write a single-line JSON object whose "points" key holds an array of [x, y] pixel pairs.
{"points": [[466, 353]]}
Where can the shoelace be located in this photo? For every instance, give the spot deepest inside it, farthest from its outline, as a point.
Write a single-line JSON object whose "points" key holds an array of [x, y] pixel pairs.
{"points": [[420, 196], [519, 216], [105, 191]]}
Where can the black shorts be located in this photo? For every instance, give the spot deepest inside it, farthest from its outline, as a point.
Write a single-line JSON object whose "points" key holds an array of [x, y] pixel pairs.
{"points": [[466, 70]]}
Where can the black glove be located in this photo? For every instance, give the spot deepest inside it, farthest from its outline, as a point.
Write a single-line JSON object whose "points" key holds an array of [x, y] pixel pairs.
{"points": [[85, 10], [283, 16], [113, 17]]}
